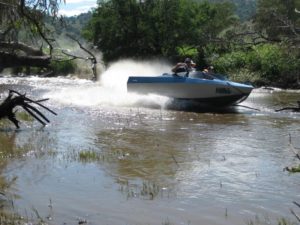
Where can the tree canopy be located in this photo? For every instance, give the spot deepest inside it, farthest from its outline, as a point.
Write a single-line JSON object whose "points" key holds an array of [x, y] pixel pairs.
{"points": [[20, 17], [209, 31], [156, 27], [21, 27], [279, 21]]}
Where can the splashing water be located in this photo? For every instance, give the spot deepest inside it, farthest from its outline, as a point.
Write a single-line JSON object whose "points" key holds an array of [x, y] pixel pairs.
{"points": [[117, 74], [111, 90]]}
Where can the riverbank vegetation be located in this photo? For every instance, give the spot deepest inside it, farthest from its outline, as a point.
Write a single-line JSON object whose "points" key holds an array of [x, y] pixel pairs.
{"points": [[261, 47], [256, 41]]}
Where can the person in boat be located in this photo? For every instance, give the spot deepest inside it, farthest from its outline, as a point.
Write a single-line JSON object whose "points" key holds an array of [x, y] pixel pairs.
{"points": [[187, 66], [209, 70]]}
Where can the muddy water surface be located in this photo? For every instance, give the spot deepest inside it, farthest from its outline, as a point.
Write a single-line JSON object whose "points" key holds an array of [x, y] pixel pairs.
{"points": [[113, 158]]}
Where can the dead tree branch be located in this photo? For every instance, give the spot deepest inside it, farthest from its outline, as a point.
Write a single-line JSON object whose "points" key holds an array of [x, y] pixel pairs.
{"points": [[39, 27], [15, 99], [297, 217], [293, 109], [22, 47], [92, 57]]}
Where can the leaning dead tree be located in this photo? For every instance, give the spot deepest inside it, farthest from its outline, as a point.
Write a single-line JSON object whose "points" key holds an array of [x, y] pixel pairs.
{"points": [[37, 47], [91, 56], [15, 99], [22, 15]]}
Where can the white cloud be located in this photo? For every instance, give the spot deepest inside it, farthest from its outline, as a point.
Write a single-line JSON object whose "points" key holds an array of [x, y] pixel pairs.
{"points": [[80, 1], [76, 7], [73, 12]]}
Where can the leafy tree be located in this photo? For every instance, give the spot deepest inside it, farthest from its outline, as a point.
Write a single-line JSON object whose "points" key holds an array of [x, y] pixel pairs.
{"points": [[261, 64], [245, 9], [156, 27], [28, 40], [23, 20], [279, 20]]}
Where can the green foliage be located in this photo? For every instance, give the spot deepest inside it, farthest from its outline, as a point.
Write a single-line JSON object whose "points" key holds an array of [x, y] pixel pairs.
{"points": [[185, 51], [88, 156], [63, 67], [244, 9], [295, 169], [24, 116], [278, 19], [197, 29], [156, 27], [70, 25], [268, 63]]}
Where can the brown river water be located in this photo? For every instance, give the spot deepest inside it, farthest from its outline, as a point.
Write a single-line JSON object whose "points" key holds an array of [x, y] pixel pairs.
{"points": [[113, 158]]}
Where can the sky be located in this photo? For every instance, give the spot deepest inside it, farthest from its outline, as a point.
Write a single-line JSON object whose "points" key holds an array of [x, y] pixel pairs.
{"points": [[75, 7]]}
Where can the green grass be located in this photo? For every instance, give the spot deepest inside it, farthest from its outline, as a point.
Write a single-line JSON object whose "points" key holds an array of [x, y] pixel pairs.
{"points": [[24, 116], [295, 169], [88, 156]]}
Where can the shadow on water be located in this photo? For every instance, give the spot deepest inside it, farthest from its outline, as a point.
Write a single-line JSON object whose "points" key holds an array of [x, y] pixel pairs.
{"points": [[188, 106], [192, 106]]}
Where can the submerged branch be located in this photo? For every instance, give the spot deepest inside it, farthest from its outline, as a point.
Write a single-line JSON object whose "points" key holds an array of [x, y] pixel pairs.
{"points": [[293, 109], [297, 204], [297, 217]]}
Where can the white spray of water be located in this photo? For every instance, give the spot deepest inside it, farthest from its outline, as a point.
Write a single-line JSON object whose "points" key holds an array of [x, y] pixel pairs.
{"points": [[111, 90]]}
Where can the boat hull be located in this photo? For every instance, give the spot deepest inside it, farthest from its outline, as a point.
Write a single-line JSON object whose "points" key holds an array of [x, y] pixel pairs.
{"points": [[213, 92]]}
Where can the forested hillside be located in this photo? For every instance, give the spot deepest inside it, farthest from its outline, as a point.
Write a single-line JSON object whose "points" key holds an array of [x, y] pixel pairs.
{"points": [[75, 24]]}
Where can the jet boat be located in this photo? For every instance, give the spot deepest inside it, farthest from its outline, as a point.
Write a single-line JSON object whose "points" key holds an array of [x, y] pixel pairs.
{"points": [[210, 89]]}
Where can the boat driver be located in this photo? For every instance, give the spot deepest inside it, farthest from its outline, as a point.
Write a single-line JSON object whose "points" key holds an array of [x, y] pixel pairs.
{"points": [[187, 66]]}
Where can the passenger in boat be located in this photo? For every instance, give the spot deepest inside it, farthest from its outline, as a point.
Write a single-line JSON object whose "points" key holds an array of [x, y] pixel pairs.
{"points": [[209, 70], [187, 66], [208, 73]]}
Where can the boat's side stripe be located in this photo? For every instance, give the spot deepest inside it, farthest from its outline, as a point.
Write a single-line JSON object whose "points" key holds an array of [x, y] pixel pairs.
{"points": [[178, 79]]}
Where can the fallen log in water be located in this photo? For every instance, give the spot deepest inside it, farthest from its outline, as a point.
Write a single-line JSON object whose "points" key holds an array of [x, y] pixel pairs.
{"points": [[15, 99], [293, 109]]}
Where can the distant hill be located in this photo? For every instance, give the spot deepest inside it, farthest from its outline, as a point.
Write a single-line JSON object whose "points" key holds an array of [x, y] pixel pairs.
{"points": [[76, 23], [71, 25]]}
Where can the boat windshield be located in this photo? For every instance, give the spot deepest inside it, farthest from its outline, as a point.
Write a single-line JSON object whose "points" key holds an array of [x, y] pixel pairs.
{"points": [[202, 75], [199, 75]]}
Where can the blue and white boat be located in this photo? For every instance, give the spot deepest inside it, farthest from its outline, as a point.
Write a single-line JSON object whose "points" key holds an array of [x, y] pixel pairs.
{"points": [[212, 90]]}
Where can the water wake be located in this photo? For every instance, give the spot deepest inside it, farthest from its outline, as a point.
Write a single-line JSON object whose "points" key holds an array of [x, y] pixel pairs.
{"points": [[111, 90]]}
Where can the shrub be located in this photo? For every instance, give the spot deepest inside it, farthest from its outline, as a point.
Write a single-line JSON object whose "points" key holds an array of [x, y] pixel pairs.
{"points": [[268, 63], [63, 67]]}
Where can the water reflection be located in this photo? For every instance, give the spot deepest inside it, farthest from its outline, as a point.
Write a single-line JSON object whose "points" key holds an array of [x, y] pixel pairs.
{"points": [[163, 150], [7, 143]]}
